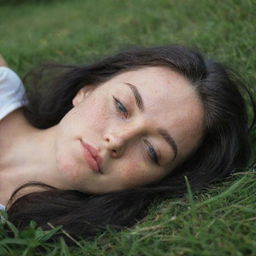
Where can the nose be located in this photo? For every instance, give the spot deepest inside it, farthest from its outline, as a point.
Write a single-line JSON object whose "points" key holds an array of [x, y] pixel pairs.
{"points": [[118, 140]]}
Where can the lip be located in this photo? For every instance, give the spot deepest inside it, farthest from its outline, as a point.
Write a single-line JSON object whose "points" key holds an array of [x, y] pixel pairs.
{"points": [[92, 157]]}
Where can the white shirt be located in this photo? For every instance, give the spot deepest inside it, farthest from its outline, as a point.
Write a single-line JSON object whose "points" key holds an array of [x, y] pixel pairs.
{"points": [[12, 95], [12, 92]]}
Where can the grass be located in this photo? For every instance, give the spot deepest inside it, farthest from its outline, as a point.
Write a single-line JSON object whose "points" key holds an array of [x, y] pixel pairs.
{"points": [[218, 221]]}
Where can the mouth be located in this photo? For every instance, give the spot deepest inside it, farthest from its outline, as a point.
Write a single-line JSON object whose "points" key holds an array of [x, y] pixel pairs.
{"points": [[92, 157]]}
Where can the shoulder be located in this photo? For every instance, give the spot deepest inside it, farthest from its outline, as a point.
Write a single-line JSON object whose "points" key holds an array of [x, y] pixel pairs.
{"points": [[2, 207], [8, 78], [12, 92]]}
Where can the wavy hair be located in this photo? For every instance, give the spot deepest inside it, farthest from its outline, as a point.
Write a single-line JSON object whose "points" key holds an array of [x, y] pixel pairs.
{"points": [[225, 146]]}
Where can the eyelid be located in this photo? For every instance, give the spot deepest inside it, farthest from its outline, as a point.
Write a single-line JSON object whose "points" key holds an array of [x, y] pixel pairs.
{"points": [[158, 156], [117, 101]]}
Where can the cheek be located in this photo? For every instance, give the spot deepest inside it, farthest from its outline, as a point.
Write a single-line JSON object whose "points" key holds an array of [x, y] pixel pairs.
{"points": [[136, 174], [96, 117], [133, 170]]}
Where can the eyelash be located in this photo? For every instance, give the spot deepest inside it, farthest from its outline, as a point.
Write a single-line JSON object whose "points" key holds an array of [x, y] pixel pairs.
{"points": [[152, 153]]}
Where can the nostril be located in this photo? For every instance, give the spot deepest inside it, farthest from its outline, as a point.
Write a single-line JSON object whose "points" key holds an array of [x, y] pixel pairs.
{"points": [[114, 152]]}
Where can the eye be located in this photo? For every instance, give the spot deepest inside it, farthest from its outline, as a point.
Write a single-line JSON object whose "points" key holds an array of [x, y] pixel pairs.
{"points": [[152, 153], [120, 107]]}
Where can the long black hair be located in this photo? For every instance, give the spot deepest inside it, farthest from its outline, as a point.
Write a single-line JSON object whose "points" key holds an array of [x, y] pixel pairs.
{"points": [[225, 146]]}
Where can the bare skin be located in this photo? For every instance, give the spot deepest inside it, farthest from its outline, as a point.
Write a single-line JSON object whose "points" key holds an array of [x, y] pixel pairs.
{"points": [[18, 173], [2, 62], [7, 129]]}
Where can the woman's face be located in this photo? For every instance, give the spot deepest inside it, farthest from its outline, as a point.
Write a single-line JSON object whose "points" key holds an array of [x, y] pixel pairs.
{"points": [[143, 123]]}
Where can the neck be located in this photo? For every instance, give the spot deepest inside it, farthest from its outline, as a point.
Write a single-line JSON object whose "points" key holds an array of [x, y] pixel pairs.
{"points": [[28, 155]]}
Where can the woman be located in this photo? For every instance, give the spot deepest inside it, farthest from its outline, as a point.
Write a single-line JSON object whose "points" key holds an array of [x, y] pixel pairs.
{"points": [[109, 138]]}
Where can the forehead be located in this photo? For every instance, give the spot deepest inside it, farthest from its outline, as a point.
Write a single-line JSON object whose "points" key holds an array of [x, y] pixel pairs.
{"points": [[156, 80], [171, 102]]}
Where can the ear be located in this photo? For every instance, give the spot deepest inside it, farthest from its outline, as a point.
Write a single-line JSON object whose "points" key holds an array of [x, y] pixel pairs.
{"points": [[82, 94]]}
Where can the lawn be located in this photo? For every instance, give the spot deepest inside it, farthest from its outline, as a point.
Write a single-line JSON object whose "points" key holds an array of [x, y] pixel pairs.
{"points": [[218, 221]]}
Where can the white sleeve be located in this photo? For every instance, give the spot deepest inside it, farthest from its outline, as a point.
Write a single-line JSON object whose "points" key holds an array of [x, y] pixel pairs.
{"points": [[12, 92], [2, 207]]}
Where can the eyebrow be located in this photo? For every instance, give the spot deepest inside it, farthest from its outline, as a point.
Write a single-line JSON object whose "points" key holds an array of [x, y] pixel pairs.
{"points": [[137, 96], [164, 133]]}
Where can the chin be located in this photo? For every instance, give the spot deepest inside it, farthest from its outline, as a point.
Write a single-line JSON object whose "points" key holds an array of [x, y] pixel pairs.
{"points": [[68, 170]]}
